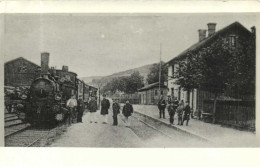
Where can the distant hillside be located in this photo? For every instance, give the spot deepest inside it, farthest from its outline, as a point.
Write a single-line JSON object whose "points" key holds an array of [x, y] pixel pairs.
{"points": [[144, 70], [89, 79]]}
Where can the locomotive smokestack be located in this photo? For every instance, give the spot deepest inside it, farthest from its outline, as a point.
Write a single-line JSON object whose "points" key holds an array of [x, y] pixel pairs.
{"points": [[45, 62]]}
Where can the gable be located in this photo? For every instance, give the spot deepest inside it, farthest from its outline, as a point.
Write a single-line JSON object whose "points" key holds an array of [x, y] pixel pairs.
{"points": [[235, 28]]}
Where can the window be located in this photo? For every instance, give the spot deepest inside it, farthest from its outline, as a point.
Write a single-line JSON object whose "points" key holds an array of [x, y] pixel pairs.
{"points": [[155, 93], [232, 40], [172, 70], [175, 70], [22, 69]]}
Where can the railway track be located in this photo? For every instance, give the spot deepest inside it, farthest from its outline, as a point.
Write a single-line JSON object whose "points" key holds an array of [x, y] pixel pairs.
{"points": [[31, 137], [150, 129], [19, 134], [147, 124], [14, 125]]}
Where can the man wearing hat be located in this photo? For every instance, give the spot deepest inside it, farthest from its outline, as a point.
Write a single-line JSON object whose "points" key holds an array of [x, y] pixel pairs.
{"points": [[127, 112], [105, 104], [92, 105], [116, 111], [80, 109]]}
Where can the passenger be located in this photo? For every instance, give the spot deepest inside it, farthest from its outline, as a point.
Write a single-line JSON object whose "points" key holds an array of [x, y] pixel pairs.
{"points": [[161, 107], [116, 111], [169, 99], [180, 112], [171, 110], [105, 104], [81, 108], [72, 104], [127, 111], [186, 114], [92, 105]]}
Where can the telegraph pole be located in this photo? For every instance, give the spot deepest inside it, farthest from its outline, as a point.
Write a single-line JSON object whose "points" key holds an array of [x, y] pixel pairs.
{"points": [[160, 66]]}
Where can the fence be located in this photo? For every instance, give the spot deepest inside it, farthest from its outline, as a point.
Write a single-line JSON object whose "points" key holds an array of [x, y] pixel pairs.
{"points": [[240, 114]]}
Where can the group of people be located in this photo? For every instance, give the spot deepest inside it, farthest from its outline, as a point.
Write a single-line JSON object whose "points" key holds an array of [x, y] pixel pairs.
{"points": [[77, 108], [174, 106]]}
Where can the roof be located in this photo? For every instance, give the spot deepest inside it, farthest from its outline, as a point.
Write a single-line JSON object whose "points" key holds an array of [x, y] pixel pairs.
{"points": [[200, 44], [151, 86], [67, 71], [21, 58]]}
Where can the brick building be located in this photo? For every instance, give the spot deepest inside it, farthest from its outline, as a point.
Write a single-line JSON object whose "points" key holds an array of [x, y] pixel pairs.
{"points": [[20, 72]]}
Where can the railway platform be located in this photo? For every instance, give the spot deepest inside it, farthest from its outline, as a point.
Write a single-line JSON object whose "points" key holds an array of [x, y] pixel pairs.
{"points": [[142, 132], [219, 135]]}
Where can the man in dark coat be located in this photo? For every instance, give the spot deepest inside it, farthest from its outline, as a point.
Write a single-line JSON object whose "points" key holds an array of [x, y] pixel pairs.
{"points": [[169, 99], [92, 105], [80, 109], [180, 112], [186, 114], [127, 111], [116, 111], [105, 104], [162, 106], [172, 109]]}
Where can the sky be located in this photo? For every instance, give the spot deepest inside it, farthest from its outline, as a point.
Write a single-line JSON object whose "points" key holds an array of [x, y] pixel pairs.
{"points": [[102, 44]]}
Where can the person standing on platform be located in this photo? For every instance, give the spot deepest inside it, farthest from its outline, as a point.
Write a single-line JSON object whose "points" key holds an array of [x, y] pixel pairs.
{"points": [[127, 111], [161, 107], [116, 111], [80, 109], [187, 112], [72, 104], [169, 99], [105, 104], [92, 105], [180, 112]]}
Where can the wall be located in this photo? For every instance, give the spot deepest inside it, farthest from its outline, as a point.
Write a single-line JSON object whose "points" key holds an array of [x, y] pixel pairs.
{"points": [[20, 72], [200, 95], [149, 96]]}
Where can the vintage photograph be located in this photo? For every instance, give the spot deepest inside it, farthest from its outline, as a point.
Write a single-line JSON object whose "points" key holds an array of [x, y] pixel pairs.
{"points": [[130, 80]]}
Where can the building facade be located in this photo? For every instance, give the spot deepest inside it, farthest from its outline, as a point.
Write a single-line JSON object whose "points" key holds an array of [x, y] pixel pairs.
{"points": [[151, 94], [235, 34], [20, 72]]}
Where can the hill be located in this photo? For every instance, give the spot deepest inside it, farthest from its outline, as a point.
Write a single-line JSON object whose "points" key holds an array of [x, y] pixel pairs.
{"points": [[93, 80]]}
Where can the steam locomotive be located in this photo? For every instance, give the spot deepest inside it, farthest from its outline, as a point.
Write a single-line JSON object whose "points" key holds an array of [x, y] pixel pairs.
{"points": [[48, 94]]}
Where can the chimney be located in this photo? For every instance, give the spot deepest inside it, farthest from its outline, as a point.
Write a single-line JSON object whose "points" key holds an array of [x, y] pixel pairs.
{"points": [[65, 68], [211, 28], [253, 30], [45, 62], [202, 34]]}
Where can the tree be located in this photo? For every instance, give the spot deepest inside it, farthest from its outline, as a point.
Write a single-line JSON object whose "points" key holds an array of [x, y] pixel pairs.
{"points": [[134, 82], [153, 75], [129, 84]]}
